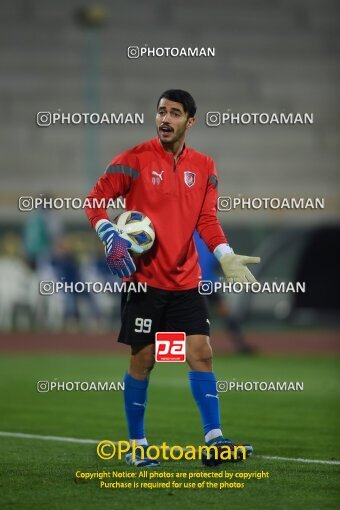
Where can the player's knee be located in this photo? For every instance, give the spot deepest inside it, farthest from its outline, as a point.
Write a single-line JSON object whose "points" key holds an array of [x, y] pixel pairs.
{"points": [[148, 362], [143, 359], [202, 355], [201, 358]]}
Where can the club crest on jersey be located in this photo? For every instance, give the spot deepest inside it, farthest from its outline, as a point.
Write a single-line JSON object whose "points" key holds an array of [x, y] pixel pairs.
{"points": [[189, 178], [157, 177]]}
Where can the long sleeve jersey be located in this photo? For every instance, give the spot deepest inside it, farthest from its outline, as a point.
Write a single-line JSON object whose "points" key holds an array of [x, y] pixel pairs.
{"points": [[177, 196]]}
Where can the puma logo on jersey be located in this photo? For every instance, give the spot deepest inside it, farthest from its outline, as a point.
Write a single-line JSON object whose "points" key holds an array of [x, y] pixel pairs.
{"points": [[158, 177]]}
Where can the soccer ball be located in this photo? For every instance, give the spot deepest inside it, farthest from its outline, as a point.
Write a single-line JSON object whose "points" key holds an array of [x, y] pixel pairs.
{"points": [[137, 228]]}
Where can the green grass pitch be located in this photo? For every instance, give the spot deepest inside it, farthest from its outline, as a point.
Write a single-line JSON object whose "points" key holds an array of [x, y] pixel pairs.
{"points": [[40, 474]]}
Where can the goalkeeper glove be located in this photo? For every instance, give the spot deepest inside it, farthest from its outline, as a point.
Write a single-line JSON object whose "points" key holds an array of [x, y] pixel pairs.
{"points": [[235, 269], [118, 258]]}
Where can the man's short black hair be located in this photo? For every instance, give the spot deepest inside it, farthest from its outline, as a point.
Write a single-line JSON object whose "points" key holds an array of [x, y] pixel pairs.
{"points": [[180, 96]]}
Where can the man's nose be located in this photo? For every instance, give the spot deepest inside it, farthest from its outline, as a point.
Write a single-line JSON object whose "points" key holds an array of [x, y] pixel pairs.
{"points": [[166, 117]]}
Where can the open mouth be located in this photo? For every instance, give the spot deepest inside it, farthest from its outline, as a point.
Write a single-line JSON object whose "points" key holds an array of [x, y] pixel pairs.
{"points": [[166, 129]]}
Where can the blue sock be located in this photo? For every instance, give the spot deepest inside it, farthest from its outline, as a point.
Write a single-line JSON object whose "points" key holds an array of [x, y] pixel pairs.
{"points": [[135, 396], [203, 388]]}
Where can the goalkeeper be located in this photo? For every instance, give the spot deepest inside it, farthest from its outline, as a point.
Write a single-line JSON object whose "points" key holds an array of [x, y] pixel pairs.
{"points": [[176, 187]]}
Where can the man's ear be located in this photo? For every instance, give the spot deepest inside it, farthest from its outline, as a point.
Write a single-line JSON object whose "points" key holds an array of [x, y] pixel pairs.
{"points": [[191, 121]]}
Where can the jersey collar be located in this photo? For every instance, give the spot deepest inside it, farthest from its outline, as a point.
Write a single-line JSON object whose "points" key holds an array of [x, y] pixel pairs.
{"points": [[159, 147]]}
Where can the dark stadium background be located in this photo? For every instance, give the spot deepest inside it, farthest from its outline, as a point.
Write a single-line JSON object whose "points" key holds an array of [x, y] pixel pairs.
{"points": [[271, 56]]}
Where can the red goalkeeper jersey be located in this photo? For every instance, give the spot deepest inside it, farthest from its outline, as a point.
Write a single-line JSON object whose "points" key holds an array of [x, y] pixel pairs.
{"points": [[177, 197]]}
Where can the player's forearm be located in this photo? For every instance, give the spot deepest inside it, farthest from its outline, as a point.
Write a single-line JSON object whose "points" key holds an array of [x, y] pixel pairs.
{"points": [[102, 192], [208, 225], [95, 214], [209, 229]]}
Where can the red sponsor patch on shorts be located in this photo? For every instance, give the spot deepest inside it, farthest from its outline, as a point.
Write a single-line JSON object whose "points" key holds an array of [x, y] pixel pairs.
{"points": [[170, 346]]}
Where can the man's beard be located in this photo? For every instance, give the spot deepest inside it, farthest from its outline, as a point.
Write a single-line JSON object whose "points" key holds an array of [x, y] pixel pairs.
{"points": [[174, 138]]}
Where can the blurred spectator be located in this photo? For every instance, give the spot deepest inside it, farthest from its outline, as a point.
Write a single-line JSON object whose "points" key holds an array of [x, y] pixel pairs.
{"points": [[211, 271], [18, 289], [42, 228], [65, 268]]}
